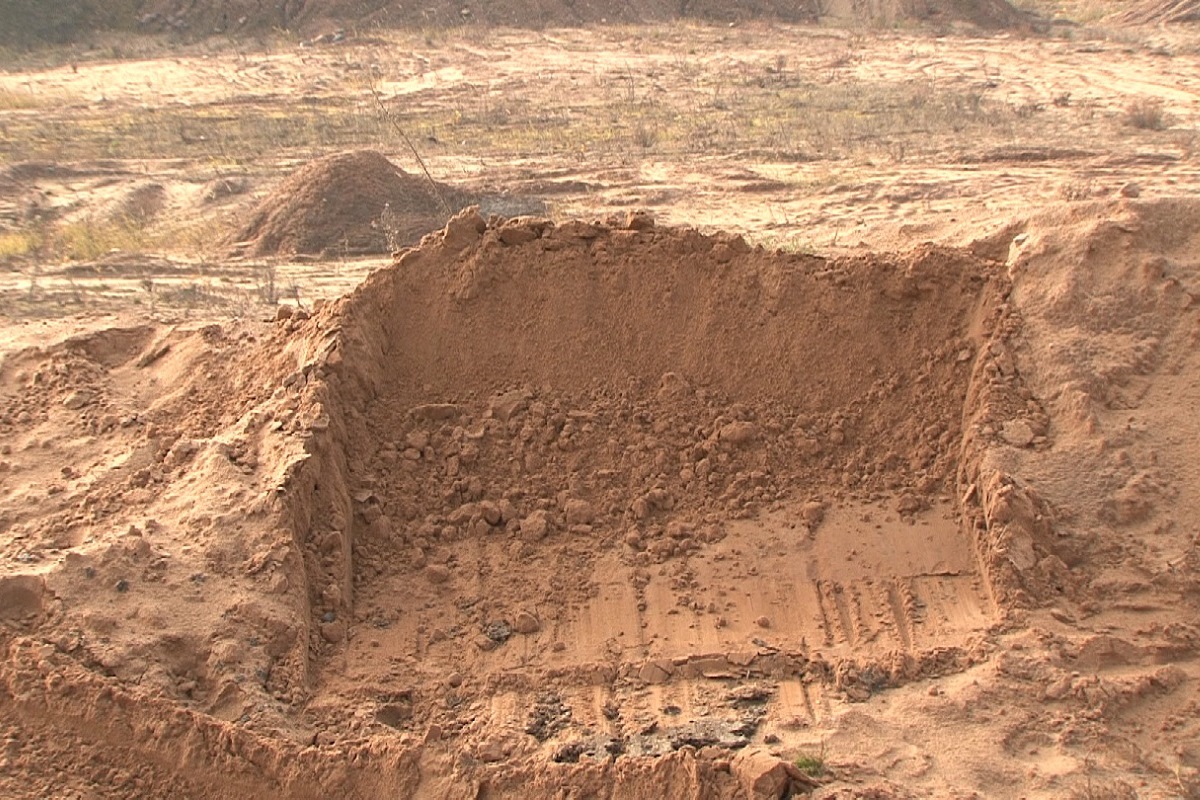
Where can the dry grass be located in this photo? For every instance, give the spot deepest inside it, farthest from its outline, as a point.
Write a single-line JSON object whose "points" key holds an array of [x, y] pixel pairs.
{"points": [[18, 244], [775, 105], [1146, 113], [207, 134], [13, 100], [89, 239]]}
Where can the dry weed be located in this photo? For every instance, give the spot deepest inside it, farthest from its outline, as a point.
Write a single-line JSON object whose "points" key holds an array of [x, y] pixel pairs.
{"points": [[1146, 113]]}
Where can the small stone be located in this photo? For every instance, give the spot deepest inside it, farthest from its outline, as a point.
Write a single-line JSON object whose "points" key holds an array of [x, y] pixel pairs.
{"points": [[77, 399], [738, 433], [1131, 190], [463, 230], [499, 631], [381, 528], [514, 235], [437, 573], [504, 406], [910, 503], [455, 679], [435, 412], [1018, 433], [639, 221], [762, 775], [491, 513], [526, 623], [653, 673], [491, 751], [283, 312], [535, 526], [813, 513], [1058, 689], [122, 586], [763, 622], [333, 632], [579, 512]]}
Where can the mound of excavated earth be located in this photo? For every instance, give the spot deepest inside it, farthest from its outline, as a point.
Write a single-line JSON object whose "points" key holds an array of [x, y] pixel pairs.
{"points": [[351, 203], [608, 510]]}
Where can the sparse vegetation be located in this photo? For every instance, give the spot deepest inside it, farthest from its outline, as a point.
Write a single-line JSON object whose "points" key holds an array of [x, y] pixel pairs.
{"points": [[1146, 113], [17, 244], [13, 100], [794, 106], [265, 280], [89, 238], [1076, 190], [775, 107], [811, 764]]}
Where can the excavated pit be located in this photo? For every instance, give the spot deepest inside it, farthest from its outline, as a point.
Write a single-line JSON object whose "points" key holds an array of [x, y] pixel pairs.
{"points": [[586, 484], [616, 511]]}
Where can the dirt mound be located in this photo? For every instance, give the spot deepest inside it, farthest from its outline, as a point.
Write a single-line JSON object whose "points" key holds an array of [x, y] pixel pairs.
{"points": [[350, 203], [1154, 12]]}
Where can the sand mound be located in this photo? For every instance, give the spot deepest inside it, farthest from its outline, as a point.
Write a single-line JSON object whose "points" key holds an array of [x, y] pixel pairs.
{"points": [[1154, 12], [350, 203], [604, 509]]}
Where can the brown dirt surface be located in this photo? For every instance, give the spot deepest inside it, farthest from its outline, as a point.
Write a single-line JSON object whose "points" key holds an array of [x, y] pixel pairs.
{"points": [[354, 203], [859, 463], [628, 510]]}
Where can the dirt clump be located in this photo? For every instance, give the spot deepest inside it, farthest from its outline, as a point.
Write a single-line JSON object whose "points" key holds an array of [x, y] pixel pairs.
{"points": [[351, 203]]}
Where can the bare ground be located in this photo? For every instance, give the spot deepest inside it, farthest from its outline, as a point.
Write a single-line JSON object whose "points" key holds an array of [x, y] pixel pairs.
{"points": [[612, 507]]}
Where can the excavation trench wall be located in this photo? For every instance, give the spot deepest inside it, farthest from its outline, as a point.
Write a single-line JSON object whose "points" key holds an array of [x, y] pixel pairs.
{"points": [[787, 377]]}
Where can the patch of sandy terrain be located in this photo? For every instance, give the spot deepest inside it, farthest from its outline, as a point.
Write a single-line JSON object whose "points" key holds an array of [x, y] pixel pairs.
{"points": [[522, 513], [860, 466], [800, 138]]}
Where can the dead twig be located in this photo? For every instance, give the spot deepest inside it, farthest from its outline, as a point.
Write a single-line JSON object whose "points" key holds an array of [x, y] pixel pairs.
{"points": [[391, 119]]}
